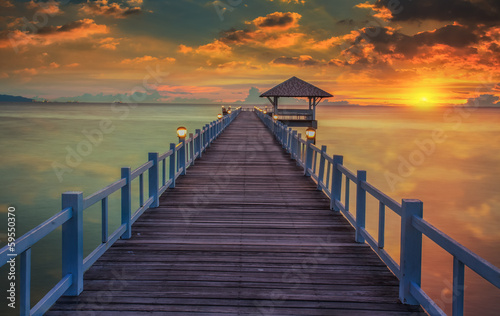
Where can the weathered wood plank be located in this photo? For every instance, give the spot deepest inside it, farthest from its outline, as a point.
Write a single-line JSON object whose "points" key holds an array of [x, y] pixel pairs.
{"points": [[243, 233]]}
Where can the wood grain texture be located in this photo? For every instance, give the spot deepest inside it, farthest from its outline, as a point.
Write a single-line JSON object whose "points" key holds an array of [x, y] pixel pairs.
{"points": [[243, 233]]}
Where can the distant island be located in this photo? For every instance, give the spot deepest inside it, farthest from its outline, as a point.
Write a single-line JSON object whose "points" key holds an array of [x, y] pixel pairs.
{"points": [[12, 98]]}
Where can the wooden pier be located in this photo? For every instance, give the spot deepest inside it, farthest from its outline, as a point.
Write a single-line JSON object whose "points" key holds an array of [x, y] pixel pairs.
{"points": [[243, 233]]}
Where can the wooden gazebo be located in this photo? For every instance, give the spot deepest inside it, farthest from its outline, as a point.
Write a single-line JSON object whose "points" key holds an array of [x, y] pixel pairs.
{"points": [[296, 88]]}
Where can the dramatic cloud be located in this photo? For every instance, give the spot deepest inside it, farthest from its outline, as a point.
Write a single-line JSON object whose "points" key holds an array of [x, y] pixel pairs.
{"points": [[461, 46], [463, 11], [375, 50], [484, 100], [253, 97], [301, 61], [381, 12], [277, 21], [50, 7], [215, 49], [184, 49], [108, 43], [270, 32], [52, 34], [6, 3], [103, 7]]}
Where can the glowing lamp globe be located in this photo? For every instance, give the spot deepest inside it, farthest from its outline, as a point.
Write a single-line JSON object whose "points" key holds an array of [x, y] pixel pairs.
{"points": [[310, 133], [181, 132]]}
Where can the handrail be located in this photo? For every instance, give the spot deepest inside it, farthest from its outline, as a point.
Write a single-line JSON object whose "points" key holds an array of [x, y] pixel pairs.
{"points": [[409, 269], [472, 260], [180, 157], [101, 194]]}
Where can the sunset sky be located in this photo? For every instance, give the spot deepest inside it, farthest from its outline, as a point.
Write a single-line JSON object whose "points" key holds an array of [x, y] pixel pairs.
{"points": [[383, 52]]}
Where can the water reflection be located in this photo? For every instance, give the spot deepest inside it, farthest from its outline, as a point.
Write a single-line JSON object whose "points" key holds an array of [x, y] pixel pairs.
{"points": [[456, 176]]}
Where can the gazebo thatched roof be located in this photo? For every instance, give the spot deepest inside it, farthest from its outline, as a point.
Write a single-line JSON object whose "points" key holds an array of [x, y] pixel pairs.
{"points": [[296, 88]]}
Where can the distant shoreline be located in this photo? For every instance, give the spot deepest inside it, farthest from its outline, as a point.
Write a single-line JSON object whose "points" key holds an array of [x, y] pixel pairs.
{"points": [[3, 103]]}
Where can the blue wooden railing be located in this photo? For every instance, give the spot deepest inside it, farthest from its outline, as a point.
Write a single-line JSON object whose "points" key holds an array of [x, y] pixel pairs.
{"points": [[329, 176], [179, 157]]}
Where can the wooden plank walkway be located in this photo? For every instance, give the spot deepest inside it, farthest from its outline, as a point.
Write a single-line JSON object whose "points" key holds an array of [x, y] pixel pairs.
{"points": [[244, 233]]}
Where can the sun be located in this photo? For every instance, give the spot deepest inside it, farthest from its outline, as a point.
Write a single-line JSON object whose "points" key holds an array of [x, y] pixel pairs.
{"points": [[424, 99]]}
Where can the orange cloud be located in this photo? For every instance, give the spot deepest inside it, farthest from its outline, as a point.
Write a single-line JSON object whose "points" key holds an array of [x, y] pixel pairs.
{"points": [[146, 58], [334, 41], [283, 40], [53, 34], [301, 61], [184, 49], [50, 7], [380, 12], [277, 21], [26, 71], [135, 2], [214, 49], [108, 43], [234, 65], [6, 4], [115, 10], [292, 1]]}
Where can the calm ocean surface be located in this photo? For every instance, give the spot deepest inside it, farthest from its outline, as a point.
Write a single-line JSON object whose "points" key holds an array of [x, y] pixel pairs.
{"points": [[448, 158]]}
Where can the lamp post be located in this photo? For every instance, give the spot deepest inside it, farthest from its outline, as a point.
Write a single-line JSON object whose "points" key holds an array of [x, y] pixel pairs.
{"points": [[311, 139], [181, 133], [219, 116]]}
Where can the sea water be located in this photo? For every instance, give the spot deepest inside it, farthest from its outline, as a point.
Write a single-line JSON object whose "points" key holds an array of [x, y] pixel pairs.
{"points": [[448, 157]]}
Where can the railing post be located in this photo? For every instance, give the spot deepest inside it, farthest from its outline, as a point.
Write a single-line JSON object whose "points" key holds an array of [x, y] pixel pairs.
{"points": [[294, 145], [126, 200], [191, 149], [182, 156], [25, 288], [309, 157], [285, 136], [198, 143], [411, 251], [299, 149], [321, 171], [153, 180], [360, 206], [289, 140], [336, 182], [72, 242], [458, 287], [212, 131], [172, 165], [207, 135]]}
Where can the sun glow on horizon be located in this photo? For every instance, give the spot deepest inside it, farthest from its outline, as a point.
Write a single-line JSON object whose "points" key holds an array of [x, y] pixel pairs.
{"points": [[426, 97]]}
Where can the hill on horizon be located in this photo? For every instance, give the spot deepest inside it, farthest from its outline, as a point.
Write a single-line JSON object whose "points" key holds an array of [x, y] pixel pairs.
{"points": [[13, 98]]}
